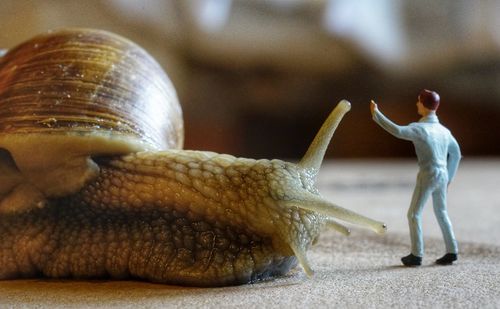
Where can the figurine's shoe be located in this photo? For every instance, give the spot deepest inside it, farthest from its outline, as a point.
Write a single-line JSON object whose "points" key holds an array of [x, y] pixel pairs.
{"points": [[411, 260], [447, 259]]}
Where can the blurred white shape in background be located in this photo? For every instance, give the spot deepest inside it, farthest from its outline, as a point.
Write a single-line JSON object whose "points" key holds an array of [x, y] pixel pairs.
{"points": [[160, 17], [375, 27], [210, 15], [327, 36]]}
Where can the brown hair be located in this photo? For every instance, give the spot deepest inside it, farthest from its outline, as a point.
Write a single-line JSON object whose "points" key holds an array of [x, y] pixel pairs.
{"points": [[429, 99]]}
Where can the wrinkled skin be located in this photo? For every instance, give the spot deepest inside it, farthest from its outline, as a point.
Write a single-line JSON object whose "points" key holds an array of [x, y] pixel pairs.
{"points": [[127, 224]]}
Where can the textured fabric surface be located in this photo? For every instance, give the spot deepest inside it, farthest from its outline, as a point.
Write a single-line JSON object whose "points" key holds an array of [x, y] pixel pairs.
{"points": [[362, 270]]}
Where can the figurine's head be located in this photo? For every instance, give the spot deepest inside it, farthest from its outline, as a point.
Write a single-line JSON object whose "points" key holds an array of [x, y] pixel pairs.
{"points": [[427, 101]]}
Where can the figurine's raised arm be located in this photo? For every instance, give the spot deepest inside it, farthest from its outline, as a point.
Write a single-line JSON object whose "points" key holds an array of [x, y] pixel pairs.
{"points": [[403, 132]]}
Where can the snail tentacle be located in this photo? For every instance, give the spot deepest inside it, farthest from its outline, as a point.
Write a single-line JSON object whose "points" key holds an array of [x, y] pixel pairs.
{"points": [[330, 223], [315, 153], [301, 255], [314, 203]]}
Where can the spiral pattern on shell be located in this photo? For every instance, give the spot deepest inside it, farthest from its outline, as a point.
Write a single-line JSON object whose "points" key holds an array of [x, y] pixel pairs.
{"points": [[82, 81]]}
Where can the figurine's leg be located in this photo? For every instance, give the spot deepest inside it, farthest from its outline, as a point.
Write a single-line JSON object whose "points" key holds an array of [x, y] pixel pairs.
{"points": [[439, 202], [420, 196]]}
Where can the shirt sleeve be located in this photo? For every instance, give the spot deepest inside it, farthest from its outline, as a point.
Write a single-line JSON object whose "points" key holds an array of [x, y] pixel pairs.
{"points": [[454, 157], [403, 132]]}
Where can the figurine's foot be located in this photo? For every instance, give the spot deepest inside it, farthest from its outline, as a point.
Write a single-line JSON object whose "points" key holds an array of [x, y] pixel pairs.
{"points": [[447, 259], [411, 260]]}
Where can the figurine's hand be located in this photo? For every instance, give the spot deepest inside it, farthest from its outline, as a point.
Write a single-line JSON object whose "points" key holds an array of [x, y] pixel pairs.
{"points": [[373, 107]]}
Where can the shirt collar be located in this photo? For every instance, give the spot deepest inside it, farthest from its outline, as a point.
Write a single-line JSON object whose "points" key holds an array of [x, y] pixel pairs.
{"points": [[430, 118]]}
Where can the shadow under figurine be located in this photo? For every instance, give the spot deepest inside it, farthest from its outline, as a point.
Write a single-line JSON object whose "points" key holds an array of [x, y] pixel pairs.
{"points": [[438, 156]]}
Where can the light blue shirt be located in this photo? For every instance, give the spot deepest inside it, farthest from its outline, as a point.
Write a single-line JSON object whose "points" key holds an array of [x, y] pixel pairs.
{"points": [[434, 145]]}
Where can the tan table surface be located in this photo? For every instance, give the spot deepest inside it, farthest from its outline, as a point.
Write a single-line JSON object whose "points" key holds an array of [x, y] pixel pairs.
{"points": [[362, 270]]}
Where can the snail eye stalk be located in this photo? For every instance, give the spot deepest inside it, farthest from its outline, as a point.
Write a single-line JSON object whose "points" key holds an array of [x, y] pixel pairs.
{"points": [[314, 156]]}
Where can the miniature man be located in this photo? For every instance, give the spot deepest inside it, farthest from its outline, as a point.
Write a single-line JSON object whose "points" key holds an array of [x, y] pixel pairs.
{"points": [[438, 156]]}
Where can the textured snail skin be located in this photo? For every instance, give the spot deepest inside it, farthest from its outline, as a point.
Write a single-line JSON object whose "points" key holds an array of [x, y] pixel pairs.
{"points": [[189, 218]]}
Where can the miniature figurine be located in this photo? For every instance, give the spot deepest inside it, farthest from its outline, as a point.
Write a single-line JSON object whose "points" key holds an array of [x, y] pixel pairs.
{"points": [[438, 156]]}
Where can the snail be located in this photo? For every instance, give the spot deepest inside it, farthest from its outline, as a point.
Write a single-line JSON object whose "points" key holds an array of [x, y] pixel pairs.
{"points": [[94, 182]]}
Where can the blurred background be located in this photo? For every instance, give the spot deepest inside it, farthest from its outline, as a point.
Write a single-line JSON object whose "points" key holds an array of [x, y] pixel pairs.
{"points": [[256, 78]]}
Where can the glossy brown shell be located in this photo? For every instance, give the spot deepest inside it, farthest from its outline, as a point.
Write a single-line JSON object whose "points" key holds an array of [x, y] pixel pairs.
{"points": [[88, 82]]}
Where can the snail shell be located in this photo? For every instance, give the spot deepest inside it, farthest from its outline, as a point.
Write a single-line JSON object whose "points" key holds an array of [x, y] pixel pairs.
{"points": [[172, 216], [72, 94]]}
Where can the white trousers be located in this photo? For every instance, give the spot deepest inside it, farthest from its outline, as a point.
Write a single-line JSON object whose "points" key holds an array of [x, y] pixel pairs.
{"points": [[433, 182]]}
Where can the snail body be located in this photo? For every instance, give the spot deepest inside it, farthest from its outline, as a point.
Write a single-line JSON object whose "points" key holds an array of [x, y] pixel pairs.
{"points": [[146, 208]]}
